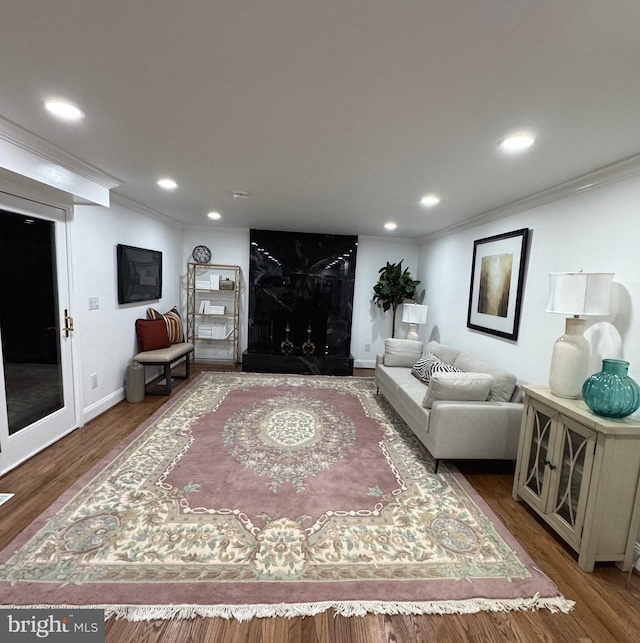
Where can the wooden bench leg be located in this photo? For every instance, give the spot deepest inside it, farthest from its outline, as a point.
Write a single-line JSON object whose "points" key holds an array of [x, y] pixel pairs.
{"points": [[157, 389], [187, 369], [160, 389], [167, 379]]}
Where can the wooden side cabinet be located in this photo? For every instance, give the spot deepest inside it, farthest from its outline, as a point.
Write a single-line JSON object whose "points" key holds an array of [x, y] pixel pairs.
{"points": [[581, 474]]}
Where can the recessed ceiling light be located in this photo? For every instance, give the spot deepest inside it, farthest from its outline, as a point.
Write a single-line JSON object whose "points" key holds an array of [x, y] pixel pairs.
{"points": [[240, 194], [64, 110], [214, 215], [390, 225], [516, 143], [429, 200], [167, 184]]}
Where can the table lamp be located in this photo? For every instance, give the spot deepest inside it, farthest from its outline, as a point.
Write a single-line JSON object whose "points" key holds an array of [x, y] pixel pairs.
{"points": [[576, 294], [414, 314]]}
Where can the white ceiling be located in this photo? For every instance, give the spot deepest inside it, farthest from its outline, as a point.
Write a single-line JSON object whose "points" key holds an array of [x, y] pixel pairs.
{"points": [[334, 115]]}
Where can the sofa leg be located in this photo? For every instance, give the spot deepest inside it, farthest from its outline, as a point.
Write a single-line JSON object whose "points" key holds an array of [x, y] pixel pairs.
{"points": [[435, 470]]}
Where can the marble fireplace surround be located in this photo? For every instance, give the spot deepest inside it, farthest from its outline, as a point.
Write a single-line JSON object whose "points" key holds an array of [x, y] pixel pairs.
{"points": [[302, 282]]}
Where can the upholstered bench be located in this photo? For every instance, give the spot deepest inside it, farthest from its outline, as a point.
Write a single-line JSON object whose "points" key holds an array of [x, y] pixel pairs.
{"points": [[166, 357]]}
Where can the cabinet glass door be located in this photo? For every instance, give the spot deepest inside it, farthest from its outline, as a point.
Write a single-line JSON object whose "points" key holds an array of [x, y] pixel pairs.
{"points": [[573, 473], [538, 451]]}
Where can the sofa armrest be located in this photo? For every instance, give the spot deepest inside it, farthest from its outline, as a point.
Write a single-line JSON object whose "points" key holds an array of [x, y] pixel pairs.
{"points": [[379, 359], [475, 429]]}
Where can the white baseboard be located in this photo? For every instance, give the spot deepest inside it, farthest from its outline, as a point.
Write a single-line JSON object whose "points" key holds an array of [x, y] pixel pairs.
{"points": [[364, 363], [637, 555], [102, 405]]}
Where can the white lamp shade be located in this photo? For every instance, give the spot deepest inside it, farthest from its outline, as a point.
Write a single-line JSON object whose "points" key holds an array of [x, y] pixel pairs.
{"points": [[579, 293], [414, 313]]}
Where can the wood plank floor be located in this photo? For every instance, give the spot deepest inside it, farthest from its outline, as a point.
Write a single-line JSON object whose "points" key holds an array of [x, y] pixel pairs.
{"points": [[607, 600]]}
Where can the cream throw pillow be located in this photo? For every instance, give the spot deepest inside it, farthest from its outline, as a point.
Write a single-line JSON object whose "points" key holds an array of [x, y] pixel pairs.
{"points": [[468, 387], [401, 352]]}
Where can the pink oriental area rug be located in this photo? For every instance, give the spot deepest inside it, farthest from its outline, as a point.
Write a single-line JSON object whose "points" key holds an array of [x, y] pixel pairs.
{"points": [[259, 495]]}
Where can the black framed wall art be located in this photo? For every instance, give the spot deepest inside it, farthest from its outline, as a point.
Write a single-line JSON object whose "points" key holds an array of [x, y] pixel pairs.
{"points": [[497, 280]]}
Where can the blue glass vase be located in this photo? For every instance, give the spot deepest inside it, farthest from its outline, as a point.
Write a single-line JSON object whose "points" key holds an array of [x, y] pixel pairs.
{"points": [[612, 393]]}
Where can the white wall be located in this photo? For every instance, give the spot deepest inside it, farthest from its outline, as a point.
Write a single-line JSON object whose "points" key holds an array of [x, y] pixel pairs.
{"points": [[106, 337], [596, 230], [370, 324]]}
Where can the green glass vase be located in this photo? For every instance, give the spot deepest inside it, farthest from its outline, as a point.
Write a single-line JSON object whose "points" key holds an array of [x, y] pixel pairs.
{"points": [[612, 393]]}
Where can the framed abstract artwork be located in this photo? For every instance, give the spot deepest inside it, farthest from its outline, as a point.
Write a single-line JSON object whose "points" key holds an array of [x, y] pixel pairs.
{"points": [[497, 280]]}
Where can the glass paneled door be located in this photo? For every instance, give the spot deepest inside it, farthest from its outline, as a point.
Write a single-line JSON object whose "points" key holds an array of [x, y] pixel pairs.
{"points": [[37, 401]]}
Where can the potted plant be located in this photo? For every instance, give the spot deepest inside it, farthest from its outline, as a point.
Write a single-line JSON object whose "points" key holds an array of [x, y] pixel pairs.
{"points": [[394, 286]]}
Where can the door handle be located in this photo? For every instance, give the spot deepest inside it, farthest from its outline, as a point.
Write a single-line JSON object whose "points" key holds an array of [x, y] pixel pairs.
{"points": [[68, 323]]}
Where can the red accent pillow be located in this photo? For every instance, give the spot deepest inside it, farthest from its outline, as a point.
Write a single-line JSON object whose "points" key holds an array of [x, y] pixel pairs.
{"points": [[173, 322], [152, 334]]}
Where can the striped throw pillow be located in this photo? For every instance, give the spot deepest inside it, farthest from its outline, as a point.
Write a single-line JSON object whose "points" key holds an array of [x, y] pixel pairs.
{"points": [[429, 364], [173, 321]]}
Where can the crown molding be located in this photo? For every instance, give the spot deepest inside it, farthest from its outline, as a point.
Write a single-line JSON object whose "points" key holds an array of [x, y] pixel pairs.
{"points": [[390, 237], [134, 206], [30, 142], [618, 171], [31, 157]]}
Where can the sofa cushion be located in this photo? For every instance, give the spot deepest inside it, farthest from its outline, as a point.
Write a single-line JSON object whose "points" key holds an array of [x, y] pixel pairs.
{"points": [[427, 366], [401, 352], [173, 322], [504, 383], [445, 353], [468, 387], [151, 334], [391, 378], [407, 403]]}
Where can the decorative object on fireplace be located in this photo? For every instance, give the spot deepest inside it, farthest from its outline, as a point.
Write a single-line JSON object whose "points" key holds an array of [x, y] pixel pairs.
{"points": [[308, 348], [286, 345]]}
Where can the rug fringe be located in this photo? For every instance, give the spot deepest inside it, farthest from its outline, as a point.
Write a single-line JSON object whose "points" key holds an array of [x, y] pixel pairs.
{"points": [[135, 613]]}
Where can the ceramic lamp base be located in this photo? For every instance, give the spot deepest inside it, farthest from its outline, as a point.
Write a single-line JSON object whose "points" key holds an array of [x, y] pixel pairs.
{"points": [[570, 360], [413, 332]]}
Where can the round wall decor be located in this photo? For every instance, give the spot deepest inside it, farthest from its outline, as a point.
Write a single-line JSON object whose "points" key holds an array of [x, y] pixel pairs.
{"points": [[201, 254]]}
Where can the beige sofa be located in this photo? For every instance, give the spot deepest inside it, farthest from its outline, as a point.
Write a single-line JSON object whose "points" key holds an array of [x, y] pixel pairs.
{"points": [[453, 427]]}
